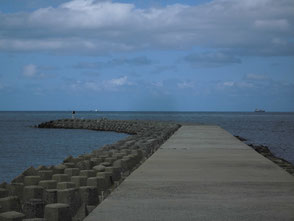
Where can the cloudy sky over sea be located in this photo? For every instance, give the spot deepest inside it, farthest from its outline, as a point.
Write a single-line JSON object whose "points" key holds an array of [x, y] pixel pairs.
{"points": [[219, 55]]}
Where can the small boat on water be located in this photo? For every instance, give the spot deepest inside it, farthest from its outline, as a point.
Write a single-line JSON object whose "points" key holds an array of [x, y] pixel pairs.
{"points": [[259, 110]]}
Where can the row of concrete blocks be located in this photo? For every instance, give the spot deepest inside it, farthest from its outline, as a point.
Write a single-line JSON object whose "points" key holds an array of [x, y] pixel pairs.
{"points": [[130, 127], [56, 211], [105, 125], [71, 190], [34, 197]]}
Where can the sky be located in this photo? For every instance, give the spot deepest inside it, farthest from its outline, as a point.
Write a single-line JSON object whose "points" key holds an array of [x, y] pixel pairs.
{"points": [[164, 55]]}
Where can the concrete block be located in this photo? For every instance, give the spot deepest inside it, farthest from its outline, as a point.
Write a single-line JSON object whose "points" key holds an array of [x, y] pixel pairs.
{"points": [[117, 163], [107, 176], [69, 165], [10, 203], [84, 165], [31, 180], [110, 160], [11, 216], [89, 195], [18, 179], [118, 155], [99, 168], [133, 160], [59, 169], [88, 173], [106, 164], [32, 192], [41, 167], [45, 174], [3, 185], [138, 154], [114, 156], [102, 157], [57, 212], [61, 177], [34, 208], [3, 192], [50, 196], [68, 159], [96, 161], [125, 151], [31, 171], [65, 185], [76, 160], [72, 171], [89, 209], [126, 161], [99, 182], [80, 214], [110, 177], [48, 184], [16, 189], [115, 173], [79, 180], [71, 197]]}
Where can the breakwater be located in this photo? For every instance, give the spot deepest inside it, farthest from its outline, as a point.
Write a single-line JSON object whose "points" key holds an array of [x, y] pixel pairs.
{"points": [[202, 173], [265, 151], [71, 190]]}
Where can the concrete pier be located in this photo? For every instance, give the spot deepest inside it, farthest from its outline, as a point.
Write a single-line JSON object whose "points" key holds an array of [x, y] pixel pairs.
{"points": [[202, 173]]}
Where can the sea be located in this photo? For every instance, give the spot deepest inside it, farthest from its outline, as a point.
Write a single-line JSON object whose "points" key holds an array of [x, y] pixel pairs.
{"points": [[22, 145]]}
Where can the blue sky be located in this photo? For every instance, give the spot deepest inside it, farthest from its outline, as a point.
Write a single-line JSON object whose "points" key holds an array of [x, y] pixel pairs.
{"points": [[219, 55]]}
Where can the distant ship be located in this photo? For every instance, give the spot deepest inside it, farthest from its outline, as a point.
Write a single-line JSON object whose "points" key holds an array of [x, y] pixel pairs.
{"points": [[259, 110]]}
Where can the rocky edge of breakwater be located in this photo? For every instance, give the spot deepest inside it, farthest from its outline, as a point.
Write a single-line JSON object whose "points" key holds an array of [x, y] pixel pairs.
{"points": [[71, 190]]}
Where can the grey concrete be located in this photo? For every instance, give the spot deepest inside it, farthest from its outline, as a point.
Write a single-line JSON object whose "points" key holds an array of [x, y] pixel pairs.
{"points": [[202, 173]]}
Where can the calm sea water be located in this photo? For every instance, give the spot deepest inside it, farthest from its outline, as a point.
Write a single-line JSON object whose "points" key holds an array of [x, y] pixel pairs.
{"points": [[22, 146]]}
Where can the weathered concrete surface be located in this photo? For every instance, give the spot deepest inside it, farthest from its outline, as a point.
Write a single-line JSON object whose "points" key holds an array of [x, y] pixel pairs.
{"points": [[202, 173]]}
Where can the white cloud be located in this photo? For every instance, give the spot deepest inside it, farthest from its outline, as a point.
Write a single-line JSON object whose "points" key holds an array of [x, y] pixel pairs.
{"points": [[245, 84], [118, 81], [114, 84], [254, 83], [30, 70], [157, 84], [228, 83], [88, 26], [37, 72], [185, 84]]}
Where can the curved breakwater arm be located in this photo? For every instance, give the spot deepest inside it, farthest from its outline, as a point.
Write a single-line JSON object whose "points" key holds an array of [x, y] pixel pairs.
{"points": [[71, 190]]}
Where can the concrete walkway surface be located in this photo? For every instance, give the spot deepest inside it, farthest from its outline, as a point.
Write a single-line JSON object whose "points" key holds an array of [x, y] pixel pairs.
{"points": [[202, 173]]}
